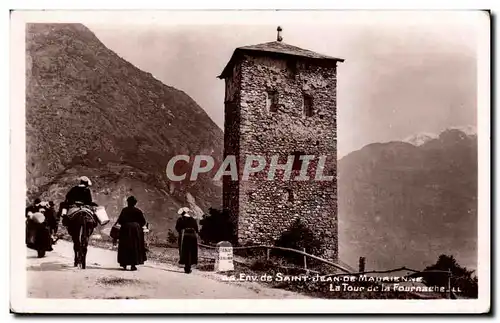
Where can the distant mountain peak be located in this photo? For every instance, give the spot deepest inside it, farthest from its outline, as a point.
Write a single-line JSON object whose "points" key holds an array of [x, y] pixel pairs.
{"points": [[404, 204], [469, 130], [420, 138], [423, 137]]}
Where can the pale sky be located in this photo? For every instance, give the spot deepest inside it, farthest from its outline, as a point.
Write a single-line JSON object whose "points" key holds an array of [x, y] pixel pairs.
{"points": [[399, 77]]}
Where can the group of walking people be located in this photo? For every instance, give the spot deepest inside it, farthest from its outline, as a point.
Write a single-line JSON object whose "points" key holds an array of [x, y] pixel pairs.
{"points": [[42, 223], [127, 232], [131, 243]]}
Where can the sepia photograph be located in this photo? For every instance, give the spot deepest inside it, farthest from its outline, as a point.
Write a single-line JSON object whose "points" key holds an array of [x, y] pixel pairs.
{"points": [[282, 161]]}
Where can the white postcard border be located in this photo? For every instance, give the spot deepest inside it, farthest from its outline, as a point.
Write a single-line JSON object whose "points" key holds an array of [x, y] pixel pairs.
{"points": [[21, 303]]}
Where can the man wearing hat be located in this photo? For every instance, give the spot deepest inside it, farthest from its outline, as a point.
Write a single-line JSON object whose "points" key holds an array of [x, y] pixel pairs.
{"points": [[80, 193]]}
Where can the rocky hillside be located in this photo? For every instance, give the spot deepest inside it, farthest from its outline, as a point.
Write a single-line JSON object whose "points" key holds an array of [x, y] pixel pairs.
{"points": [[89, 112], [403, 205]]}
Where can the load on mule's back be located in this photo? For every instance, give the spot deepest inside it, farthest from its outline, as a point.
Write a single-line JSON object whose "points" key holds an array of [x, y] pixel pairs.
{"points": [[80, 218]]}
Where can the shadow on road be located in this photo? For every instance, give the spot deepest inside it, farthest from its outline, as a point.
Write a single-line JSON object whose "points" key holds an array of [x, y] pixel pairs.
{"points": [[180, 271], [104, 268], [50, 266], [56, 266]]}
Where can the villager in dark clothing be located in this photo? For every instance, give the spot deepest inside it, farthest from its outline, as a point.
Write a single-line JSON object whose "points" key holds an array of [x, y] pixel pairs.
{"points": [[78, 194], [187, 227], [131, 248], [37, 234], [51, 218], [38, 237]]}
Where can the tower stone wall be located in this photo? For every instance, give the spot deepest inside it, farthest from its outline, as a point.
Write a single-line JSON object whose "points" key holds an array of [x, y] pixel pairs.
{"points": [[282, 106]]}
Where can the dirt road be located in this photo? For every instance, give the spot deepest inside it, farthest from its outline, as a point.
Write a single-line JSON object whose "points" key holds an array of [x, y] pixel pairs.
{"points": [[55, 277]]}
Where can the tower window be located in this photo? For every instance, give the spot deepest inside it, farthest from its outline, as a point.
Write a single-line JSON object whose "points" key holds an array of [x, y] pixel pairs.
{"points": [[291, 66], [308, 105], [272, 101]]}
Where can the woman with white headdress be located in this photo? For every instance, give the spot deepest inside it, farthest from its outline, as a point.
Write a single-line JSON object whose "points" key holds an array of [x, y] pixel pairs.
{"points": [[187, 227]]}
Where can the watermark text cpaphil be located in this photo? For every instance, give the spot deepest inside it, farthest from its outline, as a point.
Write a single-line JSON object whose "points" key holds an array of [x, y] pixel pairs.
{"points": [[303, 167]]}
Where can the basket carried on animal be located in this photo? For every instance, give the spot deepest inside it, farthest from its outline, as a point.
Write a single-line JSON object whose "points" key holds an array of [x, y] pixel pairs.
{"points": [[97, 213], [79, 208], [101, 215]]}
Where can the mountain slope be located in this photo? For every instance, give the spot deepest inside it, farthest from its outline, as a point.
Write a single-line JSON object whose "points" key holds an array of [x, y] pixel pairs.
{"points": [[403, 205], [89, 112]]}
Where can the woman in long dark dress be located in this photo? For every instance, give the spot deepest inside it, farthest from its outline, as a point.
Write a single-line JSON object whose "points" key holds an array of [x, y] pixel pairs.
{"points": [[37, 234], [131, 247], [187, 227]]}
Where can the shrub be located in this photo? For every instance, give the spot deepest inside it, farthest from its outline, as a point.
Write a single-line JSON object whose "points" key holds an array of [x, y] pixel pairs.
{"points": [[217, 226], [250, 252], [172, 237], [298, 237], [461, 278], [262, 265], [154, 240]]}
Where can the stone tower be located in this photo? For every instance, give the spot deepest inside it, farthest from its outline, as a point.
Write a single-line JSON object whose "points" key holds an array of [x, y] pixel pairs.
{"points": [[280, 100]]}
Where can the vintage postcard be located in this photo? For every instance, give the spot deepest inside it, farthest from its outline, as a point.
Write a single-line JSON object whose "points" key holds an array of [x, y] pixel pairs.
{"points": [[281, 161]]}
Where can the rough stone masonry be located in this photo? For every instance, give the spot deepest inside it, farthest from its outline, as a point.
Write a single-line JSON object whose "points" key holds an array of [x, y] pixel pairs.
{"points": [[281, 100]]}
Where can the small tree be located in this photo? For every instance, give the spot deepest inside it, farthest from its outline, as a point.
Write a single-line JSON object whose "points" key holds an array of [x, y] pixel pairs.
{"points": [[172, 237], [461, 277], [298, 237], [154, 240], [216, 226]]}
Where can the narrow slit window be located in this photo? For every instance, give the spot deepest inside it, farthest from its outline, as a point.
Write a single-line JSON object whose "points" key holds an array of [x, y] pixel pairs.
{"points": [[308, 106], [291, 66], [272, 101]]}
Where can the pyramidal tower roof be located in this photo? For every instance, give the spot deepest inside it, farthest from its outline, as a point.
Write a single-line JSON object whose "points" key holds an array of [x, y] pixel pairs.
{"points": [[276, 48]]}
